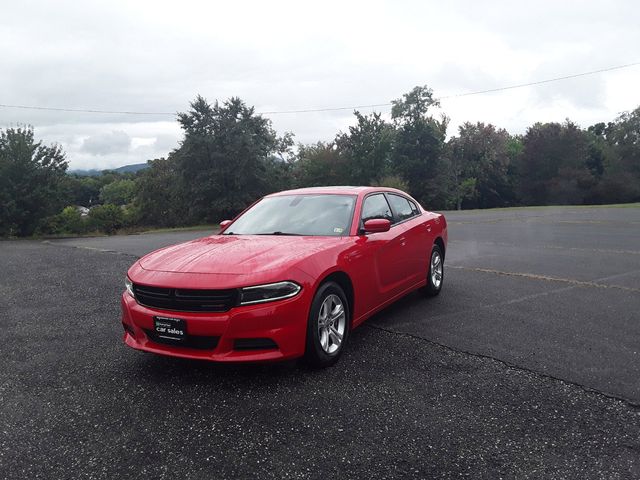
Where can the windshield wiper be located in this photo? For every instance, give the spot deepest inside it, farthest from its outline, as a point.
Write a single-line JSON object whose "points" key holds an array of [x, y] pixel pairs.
{"points": [[279, 233]]}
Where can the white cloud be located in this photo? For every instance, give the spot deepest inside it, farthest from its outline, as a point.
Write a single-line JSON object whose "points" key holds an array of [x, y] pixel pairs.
{"points": [[116, 141], [156, 56]]}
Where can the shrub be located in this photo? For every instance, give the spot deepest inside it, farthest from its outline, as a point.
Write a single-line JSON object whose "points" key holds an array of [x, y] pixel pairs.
{"points": [[392, 181], [106, 218], [71, 221], [131, 215]]}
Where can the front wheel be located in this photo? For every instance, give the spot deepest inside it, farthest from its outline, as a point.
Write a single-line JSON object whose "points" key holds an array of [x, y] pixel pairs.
{"points": [[435, 274], [328, 326]]}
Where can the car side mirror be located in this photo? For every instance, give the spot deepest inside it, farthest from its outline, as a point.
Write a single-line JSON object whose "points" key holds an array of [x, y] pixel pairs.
{"points": [[224, 223], [377, 225]]}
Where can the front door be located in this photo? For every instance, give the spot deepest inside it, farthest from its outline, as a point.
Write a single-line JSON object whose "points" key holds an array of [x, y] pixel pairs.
{"points": [[386, 249]]}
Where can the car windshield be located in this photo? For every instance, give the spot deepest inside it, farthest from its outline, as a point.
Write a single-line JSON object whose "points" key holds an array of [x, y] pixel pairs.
{"points": [[321, 215]]}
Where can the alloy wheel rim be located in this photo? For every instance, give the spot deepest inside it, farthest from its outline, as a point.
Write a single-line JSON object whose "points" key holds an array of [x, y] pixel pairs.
{"points": [[332, 321], [436, 270]]}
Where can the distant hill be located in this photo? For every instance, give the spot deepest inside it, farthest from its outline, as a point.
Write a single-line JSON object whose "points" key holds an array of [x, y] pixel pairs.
{"points": [[124, 169], [131, 168]]}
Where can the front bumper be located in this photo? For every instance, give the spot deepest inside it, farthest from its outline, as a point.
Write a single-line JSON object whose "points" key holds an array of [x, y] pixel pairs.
{"points": [[284, 322]]}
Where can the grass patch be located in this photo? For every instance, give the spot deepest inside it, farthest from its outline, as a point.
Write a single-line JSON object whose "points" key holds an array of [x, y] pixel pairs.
{"points": [[123, 231], [211, 228]]}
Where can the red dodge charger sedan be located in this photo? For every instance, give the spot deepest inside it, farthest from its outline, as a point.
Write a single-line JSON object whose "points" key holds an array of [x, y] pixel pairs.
{"points": [[289, 277]]}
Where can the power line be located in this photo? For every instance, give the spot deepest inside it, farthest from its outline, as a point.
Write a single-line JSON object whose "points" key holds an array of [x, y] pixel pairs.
{"points": [[83, 110], [540, 82], [332, 109], [328, 109]]}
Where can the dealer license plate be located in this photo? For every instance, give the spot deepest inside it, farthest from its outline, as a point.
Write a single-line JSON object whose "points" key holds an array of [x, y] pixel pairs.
{"points": [[170, 328]]}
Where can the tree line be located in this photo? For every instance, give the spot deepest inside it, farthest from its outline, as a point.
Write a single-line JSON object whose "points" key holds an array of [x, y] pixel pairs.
{"points": [[230, 155]]}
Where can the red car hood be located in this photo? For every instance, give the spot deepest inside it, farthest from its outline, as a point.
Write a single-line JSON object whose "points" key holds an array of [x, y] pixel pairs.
{"points": [[235, 254]]}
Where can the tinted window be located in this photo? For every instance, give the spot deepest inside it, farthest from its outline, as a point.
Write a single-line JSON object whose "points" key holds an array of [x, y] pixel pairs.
{"points": [[297, 215], [402, 207], [376, 206]]}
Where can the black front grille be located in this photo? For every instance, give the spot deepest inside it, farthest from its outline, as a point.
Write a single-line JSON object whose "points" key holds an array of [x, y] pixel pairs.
{"points": [[254, 344], [199, 342], [186, 300]]}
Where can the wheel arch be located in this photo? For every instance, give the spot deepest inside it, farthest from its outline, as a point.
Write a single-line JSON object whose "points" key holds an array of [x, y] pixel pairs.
{"points": [[342, 279], [440, 242]]}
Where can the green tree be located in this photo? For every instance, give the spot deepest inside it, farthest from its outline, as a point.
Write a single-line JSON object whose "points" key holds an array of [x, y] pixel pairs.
{"points": [[156, 199], [278, 174], [366, 149], [222, 162], [417, 154], [598, 150], [624, 136], [553, 165], [31, 177], [118, 192], [81, 190], [616, 153], [480, 159], [319, 164]]}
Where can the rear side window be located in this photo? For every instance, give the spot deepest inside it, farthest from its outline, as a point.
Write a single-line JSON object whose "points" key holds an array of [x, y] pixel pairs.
{"points": [[376, 206], [402, 207]]}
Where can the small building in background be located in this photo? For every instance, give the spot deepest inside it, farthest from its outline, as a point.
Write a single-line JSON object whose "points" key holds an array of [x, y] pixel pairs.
{"points": [[84, 211]]}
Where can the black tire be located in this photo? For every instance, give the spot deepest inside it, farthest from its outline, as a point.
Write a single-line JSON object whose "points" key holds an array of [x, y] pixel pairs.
{"points": [[317, 355], [433, 286]]}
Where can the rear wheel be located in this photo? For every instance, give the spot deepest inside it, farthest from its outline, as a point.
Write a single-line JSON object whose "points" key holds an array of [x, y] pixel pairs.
{"points": [[435, 274], [328, 326]]}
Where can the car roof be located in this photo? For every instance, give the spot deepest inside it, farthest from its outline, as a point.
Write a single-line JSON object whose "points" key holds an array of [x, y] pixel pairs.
{"points": [[335, 190]]}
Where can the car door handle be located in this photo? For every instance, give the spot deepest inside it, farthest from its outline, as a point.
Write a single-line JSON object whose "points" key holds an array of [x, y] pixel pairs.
{"points": [[403, 241]]}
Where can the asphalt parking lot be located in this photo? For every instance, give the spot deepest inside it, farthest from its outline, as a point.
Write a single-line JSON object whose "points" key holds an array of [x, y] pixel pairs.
{"points": [[526, 366]]}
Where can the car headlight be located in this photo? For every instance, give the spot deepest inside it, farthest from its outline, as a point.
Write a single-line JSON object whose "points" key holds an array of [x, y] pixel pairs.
{"points": [[128, 284], [269, 292]]}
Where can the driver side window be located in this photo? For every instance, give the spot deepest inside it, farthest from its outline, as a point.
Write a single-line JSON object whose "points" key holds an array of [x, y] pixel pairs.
{"points": [[376, 206]]}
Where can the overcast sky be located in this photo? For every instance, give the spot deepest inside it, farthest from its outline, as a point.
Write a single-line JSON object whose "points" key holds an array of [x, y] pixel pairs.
{"points": [[156, 56]]}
